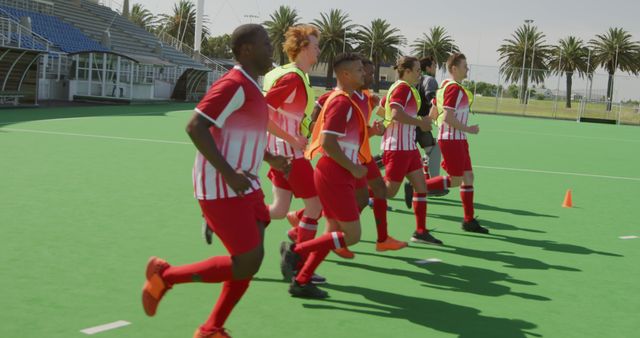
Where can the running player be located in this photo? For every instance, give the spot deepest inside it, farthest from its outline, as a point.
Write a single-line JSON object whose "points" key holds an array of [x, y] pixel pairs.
{"points": [[401, 157], [453, 103], [291, 100], [340, 135], [372, 184], [229, 131]]}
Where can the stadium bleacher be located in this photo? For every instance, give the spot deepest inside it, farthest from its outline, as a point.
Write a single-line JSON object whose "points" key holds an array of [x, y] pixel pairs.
{"points": [[66, 37]]}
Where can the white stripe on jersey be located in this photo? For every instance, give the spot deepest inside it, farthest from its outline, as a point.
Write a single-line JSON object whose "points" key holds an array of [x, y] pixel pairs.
{"points": [[446, 132], [290, 123], [399, 136], [210, 185], [236, 102]]}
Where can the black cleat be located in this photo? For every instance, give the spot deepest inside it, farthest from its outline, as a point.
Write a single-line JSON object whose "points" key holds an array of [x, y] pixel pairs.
{"points": [[425, 238], [315, 279], [318, 280], [308, 290], [474, 226], [437, 193], [288, 260], [408, 195], [379, 163], [207, 233]]}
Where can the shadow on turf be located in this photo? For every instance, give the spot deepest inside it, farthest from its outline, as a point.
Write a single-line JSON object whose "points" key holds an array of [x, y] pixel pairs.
{"points": [[490, 224], [481, 206], [546, 245], [461, 320], [508, 258], [8, 117], [444, 276]]}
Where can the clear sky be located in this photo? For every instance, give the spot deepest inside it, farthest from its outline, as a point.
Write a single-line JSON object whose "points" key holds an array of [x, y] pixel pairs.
{"points": [[478, 27]]}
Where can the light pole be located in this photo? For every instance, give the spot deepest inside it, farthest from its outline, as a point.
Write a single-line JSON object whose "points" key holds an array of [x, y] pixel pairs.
{"points": [[197, 41], [524, 58], [373, 40], [344, 40]]}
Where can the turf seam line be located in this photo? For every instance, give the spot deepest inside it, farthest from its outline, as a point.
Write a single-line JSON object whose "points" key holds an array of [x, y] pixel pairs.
{"points": [[560, 135], [559, 173]]}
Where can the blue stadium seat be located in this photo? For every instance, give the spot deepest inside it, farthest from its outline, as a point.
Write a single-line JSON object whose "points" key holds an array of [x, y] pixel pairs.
{"points": [[66, 37]]}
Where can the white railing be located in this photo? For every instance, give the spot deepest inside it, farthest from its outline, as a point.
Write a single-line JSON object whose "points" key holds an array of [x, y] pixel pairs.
{"points": [[14, 34]]}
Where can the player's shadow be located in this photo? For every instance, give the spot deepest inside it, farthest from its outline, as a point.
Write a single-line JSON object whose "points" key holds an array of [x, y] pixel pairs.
{"points": [[463, 321], [490, 224], [444, 276], [547, 245], [14, 116], [509, 259], [482, 206]]}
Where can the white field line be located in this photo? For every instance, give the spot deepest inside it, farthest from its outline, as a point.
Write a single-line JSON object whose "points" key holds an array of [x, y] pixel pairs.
{"points": [[105, 327], [94, 116], [636, 179]]}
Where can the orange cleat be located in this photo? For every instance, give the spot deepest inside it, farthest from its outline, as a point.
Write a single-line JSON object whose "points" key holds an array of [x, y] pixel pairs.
{"points": [[391, 244], [344, 253], [154, 287], [293, 219], [218, 333]]}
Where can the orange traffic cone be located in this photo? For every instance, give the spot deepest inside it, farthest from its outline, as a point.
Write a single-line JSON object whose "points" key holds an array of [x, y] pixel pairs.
{"points": [[568, 203]]}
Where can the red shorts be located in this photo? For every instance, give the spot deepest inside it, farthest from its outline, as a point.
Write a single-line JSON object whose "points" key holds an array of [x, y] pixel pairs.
{"points": [[399, 163], [372, 173], [234, 220], [336, 190], [299, 181], [455, 157]]}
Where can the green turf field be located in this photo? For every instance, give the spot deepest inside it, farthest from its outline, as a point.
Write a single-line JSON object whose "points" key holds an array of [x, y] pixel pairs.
{"points": [[88, 194]]}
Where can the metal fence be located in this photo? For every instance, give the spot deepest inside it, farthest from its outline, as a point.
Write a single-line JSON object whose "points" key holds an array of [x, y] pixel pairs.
{"points": [[551, 98]]}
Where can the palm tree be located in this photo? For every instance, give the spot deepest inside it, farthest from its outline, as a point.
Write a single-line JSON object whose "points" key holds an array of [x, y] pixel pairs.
{"points": [[277, 25], [615, 50], [181, 24], [525, 40], [335, 36], [142, 17], [568, 57], [381, 43], [438, 44], [218, 47]]}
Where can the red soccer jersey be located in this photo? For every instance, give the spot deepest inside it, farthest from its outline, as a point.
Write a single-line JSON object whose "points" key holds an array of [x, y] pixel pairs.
{"points": [[238, 110], [454, 98], [400, 136], [340, 119], [287, 101], [361, 99]]}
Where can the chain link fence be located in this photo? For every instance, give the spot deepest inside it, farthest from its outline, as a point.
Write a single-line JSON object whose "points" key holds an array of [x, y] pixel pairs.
{"points": [[582, 98]]}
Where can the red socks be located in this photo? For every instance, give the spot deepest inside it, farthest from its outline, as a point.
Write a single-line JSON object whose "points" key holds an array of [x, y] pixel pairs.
{"points": [[213, 270], [380, 215], [438, 183], [310, 266], [328, 241], [420, 210], [230, 295], [307, 229], [466, 195]]}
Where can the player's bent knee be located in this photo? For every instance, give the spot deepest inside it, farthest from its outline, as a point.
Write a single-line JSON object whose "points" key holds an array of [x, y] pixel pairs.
{"points": [[246, 265]]}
